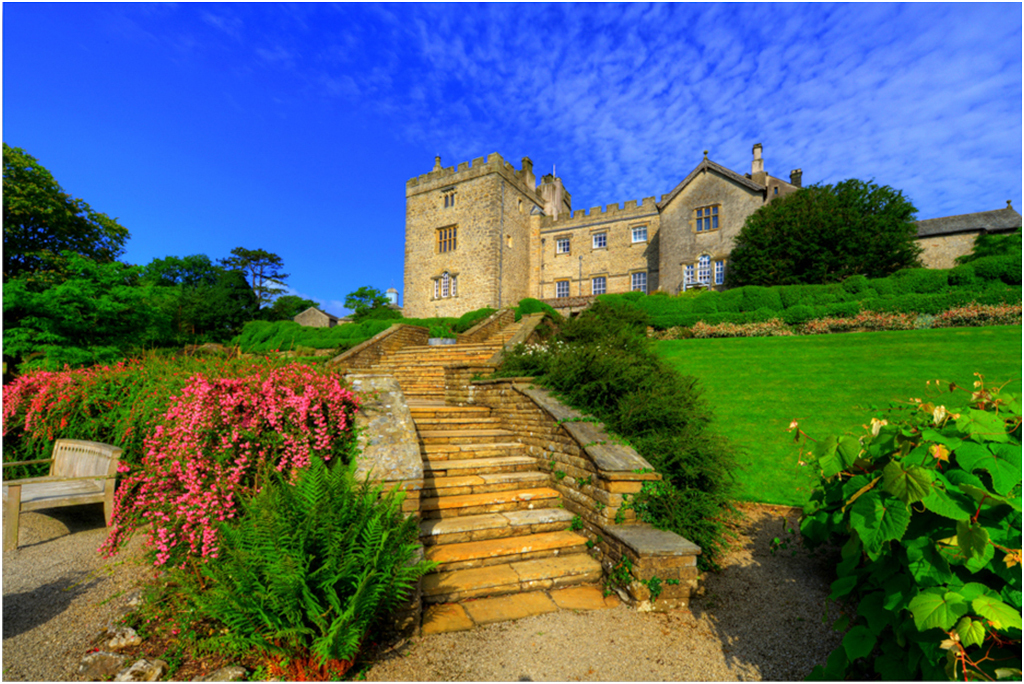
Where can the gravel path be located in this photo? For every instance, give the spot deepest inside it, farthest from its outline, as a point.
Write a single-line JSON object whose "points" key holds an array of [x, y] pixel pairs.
{"points": [[59, 593], [759, 619]]}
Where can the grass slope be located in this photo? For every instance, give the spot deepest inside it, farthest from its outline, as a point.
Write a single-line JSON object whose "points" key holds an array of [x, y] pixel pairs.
{"points": [[828, 383]]}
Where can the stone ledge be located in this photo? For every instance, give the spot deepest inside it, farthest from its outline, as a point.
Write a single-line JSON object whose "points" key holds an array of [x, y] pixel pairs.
{"points": [[389, 448], [646, 540]]}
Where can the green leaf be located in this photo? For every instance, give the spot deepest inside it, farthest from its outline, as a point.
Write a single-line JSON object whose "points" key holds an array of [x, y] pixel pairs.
{"points": [[971, 632], [925, 563], [949, 441], [973, 590], [849, 449], [949, 504], [843, 586], [859, 642], [981, 495], [1001, 461], [878, 518], [871, 609], [892, 663], [907, 484], [829, 461], [972, 538], [937, 608], [998, 613], [982, 426], [842, 623]]}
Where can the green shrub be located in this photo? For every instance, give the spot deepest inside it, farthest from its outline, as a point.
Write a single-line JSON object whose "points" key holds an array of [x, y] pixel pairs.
{"points": [[926, 509], [795, 315], [532, 306], [471, 318], [855, 285], [883, 286], [756, 297], [963, 276], [997, 293], [310, 567], [732, 301], [791, 295], [706, 303], [602, 363], [1006, 268]]}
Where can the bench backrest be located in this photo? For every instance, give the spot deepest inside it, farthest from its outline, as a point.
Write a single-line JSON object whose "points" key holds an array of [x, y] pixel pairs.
{"points": [[79, 458]]}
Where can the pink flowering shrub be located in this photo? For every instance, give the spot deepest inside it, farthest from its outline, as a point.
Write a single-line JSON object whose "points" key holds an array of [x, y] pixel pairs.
{"points": [[864, 320], [979, 314], [770, 328], [213, 442]]}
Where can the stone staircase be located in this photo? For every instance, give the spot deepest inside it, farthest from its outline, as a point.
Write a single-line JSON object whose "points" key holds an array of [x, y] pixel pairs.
{"points": [[489, 517]]}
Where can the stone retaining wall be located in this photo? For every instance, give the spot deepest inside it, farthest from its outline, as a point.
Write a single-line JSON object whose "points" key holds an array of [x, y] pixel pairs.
{"points": [[487, 327], [367, 354], [595, 474]]}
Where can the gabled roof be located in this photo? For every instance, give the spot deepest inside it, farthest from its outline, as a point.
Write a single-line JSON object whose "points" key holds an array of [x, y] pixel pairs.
{"points": [[708, 165], [995, 221], [330, 317]]}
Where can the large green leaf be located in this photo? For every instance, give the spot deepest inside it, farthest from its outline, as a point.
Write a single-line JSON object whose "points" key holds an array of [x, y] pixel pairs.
{"points": [[948, 502], [908, 484], [926, 564], [936, 607], [972, 538], [859, 642], [843, 586], [950, 441], [871, 608], [998, 613], [972, 632], [982, 426], [1001, 461], [878, 518], [892, 663], [849, 449]]}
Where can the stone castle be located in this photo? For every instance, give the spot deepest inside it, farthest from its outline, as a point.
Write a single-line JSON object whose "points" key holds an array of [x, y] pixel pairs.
{"points": [[488, 234]]}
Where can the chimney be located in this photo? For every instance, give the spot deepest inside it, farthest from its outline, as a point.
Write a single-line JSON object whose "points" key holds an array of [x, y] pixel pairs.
{"points": [[796, 177], [552, 194], [528, 177], [757, 173], [437, 163]]}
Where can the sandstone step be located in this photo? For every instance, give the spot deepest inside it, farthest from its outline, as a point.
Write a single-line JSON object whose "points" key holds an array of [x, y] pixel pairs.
{"points": [[489, 502], [476, 554], [510, 578], [484, 482], [463, 436], [447, 467], [493, 525], [472, 420], [471, 450]]}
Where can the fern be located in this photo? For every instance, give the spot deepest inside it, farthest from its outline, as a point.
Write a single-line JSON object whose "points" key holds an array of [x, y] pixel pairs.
{"points": [[311, 566]]}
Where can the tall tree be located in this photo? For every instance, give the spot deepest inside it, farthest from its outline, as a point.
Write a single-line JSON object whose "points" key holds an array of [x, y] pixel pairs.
{"points": [[41, 221], [824, 234], [285, 308], [261, 269], [368, 302]]}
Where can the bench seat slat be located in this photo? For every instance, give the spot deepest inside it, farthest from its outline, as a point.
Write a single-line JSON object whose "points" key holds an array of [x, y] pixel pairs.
{"points": [[53, 494]]}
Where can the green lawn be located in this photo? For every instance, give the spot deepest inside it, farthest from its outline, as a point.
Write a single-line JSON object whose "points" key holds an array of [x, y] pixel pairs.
{"points": [[756, 386]]}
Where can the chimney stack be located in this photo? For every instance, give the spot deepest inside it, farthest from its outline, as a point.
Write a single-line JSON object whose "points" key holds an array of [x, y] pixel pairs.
{"points": [[437, 163], [528, 177], [796, 177], [757, 173]]}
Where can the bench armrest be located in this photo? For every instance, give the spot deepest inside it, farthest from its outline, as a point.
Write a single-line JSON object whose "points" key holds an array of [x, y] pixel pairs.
{"points": [[41, 460], [45, 479]]}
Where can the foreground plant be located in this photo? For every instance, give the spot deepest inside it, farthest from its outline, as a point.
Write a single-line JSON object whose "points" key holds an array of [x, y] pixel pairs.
{"points": [[310, 567], [927, 509]]}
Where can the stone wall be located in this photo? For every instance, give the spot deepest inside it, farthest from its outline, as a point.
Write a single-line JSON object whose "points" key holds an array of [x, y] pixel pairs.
{"points": [[941, 251], [369, 353], [594, 474], [314, 318], [484, 329], [615, 262]]}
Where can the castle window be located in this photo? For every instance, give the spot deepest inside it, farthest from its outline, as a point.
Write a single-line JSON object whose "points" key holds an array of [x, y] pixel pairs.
{"points": [[640, 235], [719, 272], [598, 285], [639, 282], [704, 269], [707, 218], [561, 288], [449, 198], [446, 239], [445, 286], [562, 246], [689, 274], [600, 240]]}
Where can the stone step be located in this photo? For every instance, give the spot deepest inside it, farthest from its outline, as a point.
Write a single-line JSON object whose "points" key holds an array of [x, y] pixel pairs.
{"points": [[441, 452], [444, 467], [511, 578], [489, 502], [478, 554], [484, 482], [464, 436], [468, 528], [471, 421]]}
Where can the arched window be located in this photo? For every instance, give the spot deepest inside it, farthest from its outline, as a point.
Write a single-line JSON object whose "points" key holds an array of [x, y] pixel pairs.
{"points": [[704, 269], [446, 283]]}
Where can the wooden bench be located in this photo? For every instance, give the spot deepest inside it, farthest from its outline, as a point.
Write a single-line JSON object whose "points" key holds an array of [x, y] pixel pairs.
{"points": [[81, 472]]}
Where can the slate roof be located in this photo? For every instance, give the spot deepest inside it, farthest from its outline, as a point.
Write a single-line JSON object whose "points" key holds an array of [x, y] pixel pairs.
{"points": [[996, 221], [708, 165]]}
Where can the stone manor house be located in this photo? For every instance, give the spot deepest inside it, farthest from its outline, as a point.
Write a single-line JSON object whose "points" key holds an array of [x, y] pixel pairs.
{"points": [[487, 234]]}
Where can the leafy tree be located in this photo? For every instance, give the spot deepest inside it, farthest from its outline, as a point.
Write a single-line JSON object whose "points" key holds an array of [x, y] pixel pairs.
{"points": [[825, 234], [285, 308], [41, 221], [262, 269], [227, 306], [97, 314], [367, 302], [992, 244], [192, 270]]}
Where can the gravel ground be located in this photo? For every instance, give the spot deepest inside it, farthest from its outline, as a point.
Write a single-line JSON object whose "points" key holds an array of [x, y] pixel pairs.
{"points": [[759, 619], [58, 593]]}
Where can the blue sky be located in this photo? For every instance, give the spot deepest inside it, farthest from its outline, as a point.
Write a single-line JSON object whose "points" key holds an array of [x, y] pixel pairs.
{"points": [[293, 128]]}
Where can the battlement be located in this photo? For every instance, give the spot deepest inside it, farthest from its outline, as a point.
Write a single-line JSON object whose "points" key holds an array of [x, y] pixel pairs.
{"points": [[610, 212], [494, 163]]}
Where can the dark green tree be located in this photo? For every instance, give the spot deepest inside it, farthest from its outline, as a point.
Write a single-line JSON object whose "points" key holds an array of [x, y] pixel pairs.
{"points": [[42, 221], [993, 244], [262, 269], [825, 234], [366, 302], [285, 308], [227, 306]]}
